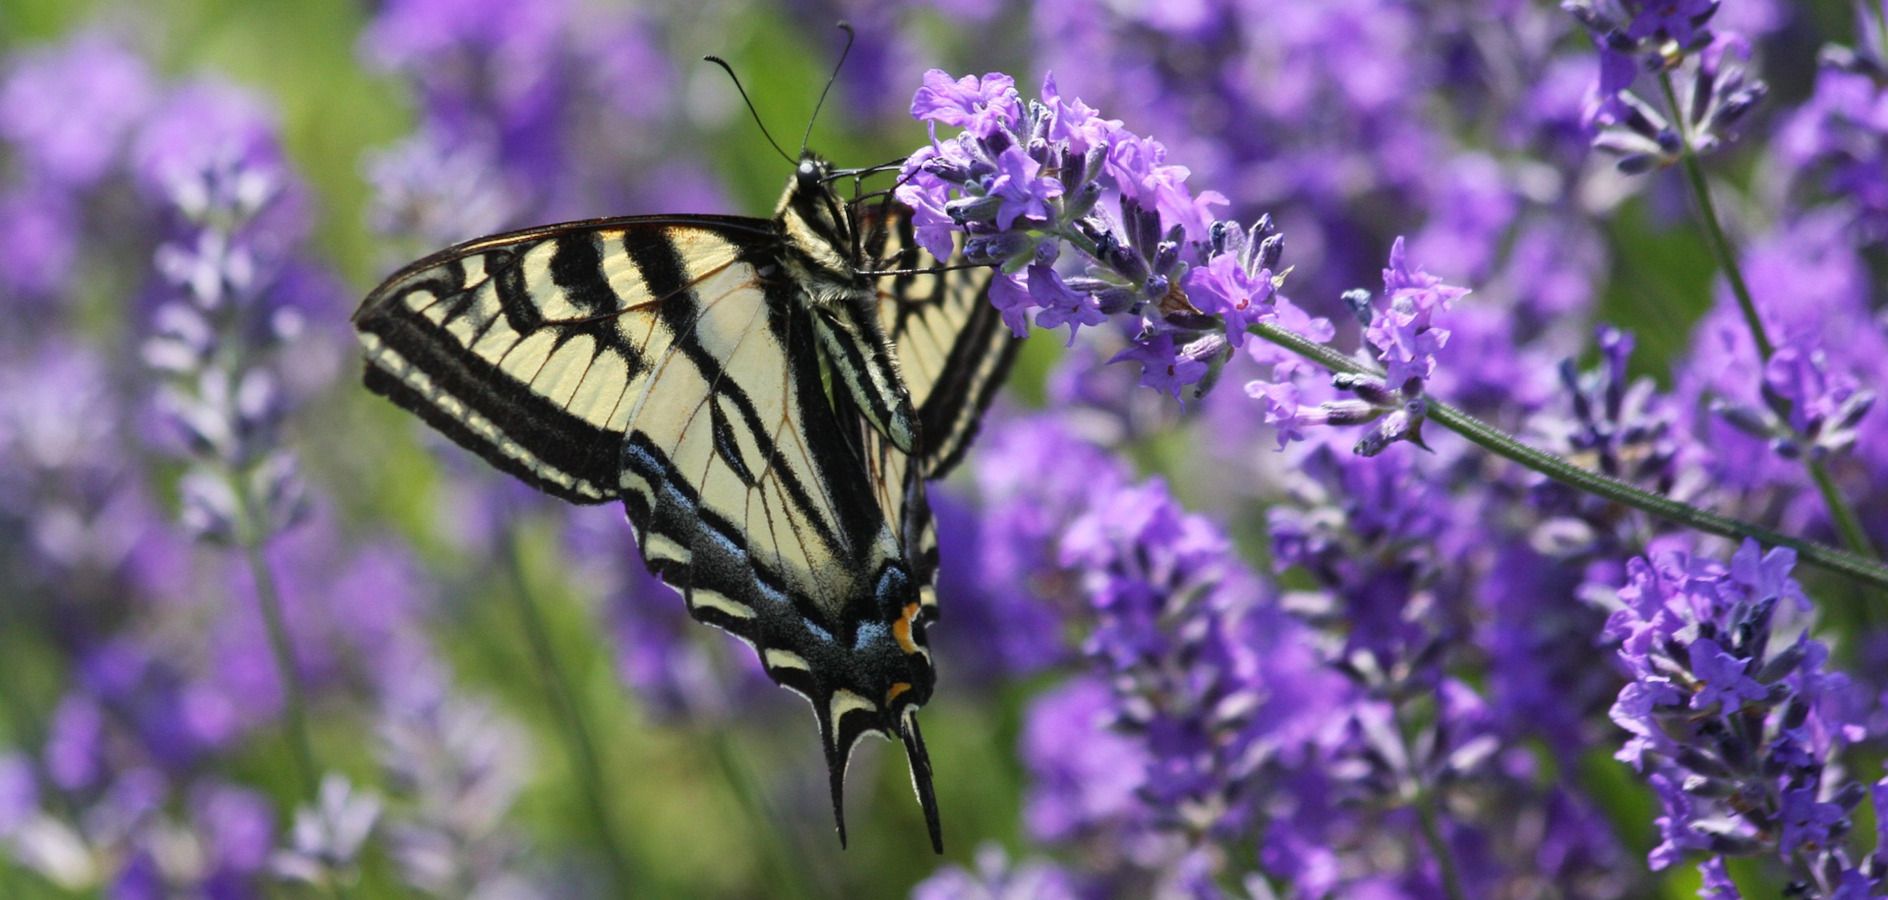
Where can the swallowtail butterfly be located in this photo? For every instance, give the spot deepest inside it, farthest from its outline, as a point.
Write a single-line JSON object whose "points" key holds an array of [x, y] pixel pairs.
{"points": [[766, 397]]}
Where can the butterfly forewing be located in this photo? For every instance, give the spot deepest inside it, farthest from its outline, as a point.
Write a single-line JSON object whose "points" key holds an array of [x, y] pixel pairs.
{"points": [[651, 361]]}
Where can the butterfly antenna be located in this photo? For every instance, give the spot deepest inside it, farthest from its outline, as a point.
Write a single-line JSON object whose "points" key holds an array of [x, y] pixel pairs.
{"points": [[750, 106], [847, 28]]}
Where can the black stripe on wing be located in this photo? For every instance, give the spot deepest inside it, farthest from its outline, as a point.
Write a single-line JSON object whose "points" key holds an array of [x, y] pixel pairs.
{"points": [[427, 329], [953, 348]]}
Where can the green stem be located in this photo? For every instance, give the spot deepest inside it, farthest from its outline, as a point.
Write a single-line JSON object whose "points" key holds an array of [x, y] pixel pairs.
{"points": [[274, 623], [1848, 525], [577, 737], [1428, 812], [294, 703], [788, 877], [1559, 469], [1714, 232]]}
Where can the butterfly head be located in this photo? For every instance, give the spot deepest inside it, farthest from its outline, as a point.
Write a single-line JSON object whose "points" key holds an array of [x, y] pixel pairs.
{"points": [[818, 224], [812, 174]]}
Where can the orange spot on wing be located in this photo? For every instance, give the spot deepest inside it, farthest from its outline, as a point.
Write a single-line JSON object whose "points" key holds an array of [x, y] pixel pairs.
{"points": [[901, 629]]}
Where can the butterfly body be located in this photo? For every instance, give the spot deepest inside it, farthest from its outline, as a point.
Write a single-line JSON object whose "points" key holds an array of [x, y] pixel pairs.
{"points": [[736, 384]]}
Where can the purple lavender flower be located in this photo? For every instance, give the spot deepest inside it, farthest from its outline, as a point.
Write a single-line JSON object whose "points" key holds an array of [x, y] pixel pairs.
{"points": [[528, 105], [1838, 138], [212, 156], [125, 784], [1207, 682], [66, 111], [1085, 776], [1000, 629], [1164, 367], [1712, 96], [1735, 723], [1405, 334], [459, 765], [1021, 180], [1384, 545], [1403, 331], [41, 223], [1321, 97], [71, 510], [1614, 424], [493, 74], [1632, 34], [1815, 399], [995, 878], [978, 105], [434, 193]]}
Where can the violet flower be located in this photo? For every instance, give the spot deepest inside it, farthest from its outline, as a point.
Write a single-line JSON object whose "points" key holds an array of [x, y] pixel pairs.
{"points": [[521, 109], [455, 767], [1302, 112], [997, 878], [1640, 34], [1023, 179], [1838, 142], [228, 314], [1403, 331], [67, 115], [1733, 717], [1816, 398], [1712, 94]]}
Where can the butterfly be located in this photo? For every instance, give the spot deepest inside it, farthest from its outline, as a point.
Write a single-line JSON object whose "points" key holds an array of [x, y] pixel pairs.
{"points": [[766, 397]]}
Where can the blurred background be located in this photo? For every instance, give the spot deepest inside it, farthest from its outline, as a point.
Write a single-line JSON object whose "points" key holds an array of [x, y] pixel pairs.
{"points": [[194, 194]]}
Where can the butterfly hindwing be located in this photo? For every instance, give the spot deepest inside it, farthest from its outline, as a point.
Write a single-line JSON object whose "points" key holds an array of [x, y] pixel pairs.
{"points": [[953, 347]]}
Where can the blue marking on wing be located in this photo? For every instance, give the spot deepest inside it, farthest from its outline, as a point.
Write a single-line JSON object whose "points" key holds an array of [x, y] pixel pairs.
{"points": [[893, 583], [869, 632], [769, 591], [727, 543]]}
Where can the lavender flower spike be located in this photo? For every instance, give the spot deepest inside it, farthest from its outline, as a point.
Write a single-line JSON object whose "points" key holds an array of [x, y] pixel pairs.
{"points": [[1734, 724], [1403, 329], [1022, 181]]}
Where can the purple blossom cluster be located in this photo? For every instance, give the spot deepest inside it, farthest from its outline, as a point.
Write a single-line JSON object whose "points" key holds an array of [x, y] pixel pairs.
{"points": [[1736, 720], [1448, 602], [173, 421], [1217, 708], [1402, 329], [1022, 181], [521, 114]]}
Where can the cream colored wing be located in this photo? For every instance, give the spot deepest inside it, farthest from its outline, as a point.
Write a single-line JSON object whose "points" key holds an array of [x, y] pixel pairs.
{"points": [[663, 362], [953, 349]]}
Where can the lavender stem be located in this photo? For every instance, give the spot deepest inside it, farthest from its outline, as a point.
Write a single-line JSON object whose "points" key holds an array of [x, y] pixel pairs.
{"points": [[577, 737], [1560, 469], [282, 650], [1848, 525]]}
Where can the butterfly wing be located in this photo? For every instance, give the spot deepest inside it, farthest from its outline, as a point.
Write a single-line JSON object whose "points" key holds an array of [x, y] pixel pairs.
{"points": [[674, 363], [659, 361], [953, 349]]}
